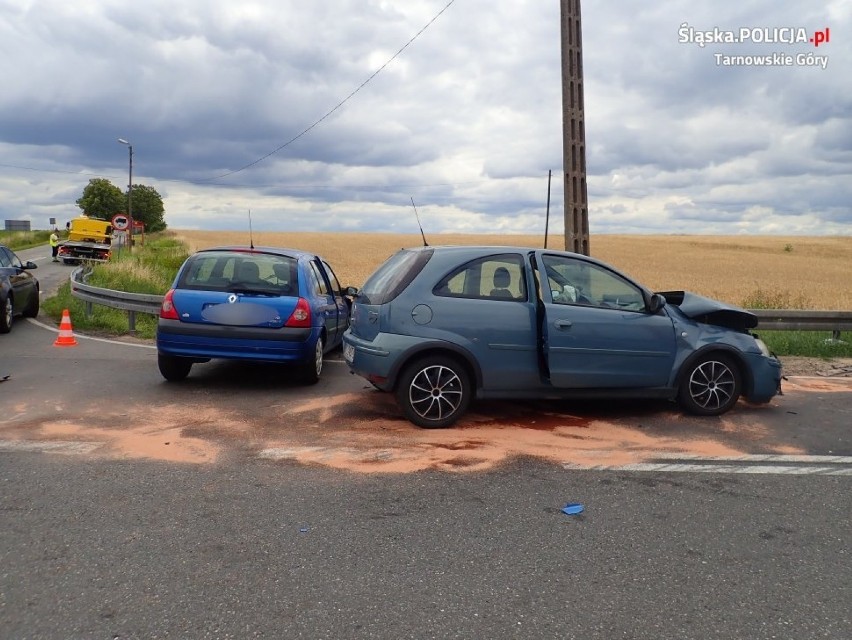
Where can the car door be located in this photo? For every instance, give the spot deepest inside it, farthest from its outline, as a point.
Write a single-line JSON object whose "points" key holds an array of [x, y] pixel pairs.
{"points": [[597, 332], [340, 301], [483, 305], [324, 303], [20, 280]]}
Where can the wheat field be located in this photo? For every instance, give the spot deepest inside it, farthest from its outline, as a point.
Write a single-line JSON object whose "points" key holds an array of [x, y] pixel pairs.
{"points": [[751, 271]]}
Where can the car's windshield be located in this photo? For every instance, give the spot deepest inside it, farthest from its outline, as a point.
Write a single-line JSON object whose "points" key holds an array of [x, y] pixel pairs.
{"points": [[241, 272]]}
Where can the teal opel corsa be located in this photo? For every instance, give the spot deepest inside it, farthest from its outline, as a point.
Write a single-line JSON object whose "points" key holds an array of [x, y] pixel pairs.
{"points": [[440, 326]]}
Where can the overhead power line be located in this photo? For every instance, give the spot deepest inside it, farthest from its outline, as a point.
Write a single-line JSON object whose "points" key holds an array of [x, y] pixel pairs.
{"points": [[339, 104], [289, 142]]}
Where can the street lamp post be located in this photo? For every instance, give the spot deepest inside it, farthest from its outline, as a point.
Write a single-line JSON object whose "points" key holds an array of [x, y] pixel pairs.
{"points": [[129, 196]]}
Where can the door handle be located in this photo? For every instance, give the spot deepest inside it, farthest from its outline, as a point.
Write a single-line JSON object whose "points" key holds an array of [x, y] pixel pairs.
{"points": [[563, 324]]}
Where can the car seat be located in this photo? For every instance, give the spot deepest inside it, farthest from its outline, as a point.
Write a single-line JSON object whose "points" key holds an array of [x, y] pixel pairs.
{"points": [[286, 276], [248, 273], [502, 280]]}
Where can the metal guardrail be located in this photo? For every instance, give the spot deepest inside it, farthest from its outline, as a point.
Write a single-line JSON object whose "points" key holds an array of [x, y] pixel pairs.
{"points": [[133, 303], [768, 319], [797, 320]]}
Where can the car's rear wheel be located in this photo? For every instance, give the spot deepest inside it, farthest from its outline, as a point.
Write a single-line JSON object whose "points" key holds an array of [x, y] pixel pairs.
{"points": [[312, 369], [434, 392], [32, 308], [711, 385], [6, 314], [173, 368]]}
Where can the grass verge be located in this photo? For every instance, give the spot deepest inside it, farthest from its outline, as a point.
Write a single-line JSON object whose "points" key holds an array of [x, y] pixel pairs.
{"points": [[813, 344], [149, 269], [18, 240]]}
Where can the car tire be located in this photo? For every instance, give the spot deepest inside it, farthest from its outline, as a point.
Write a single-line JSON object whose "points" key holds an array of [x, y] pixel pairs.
{"points": [[32, 308], [434, 392], [6, 314], [710, 385], [312, 369], [173, 368]]}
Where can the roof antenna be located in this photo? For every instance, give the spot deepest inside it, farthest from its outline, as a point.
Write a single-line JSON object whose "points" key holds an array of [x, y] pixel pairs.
{"points": [[251, 236], [425, 244]]}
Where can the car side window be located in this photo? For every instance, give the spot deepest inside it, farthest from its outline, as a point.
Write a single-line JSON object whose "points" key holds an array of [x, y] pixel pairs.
{"points": [[574, 281], [5, 258], [497, 277], [317, 281], [335, 283]]}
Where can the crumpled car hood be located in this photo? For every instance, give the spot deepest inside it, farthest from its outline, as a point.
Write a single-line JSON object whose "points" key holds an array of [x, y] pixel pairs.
{"points": [[710, 311]]}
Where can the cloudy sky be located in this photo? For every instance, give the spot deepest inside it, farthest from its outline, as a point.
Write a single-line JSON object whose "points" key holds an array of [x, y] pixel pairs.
{"points": [[336, 114]]}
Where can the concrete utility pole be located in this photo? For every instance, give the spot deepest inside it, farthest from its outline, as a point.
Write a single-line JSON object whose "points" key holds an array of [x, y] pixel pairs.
{"points": [[574, 131], [129, 195]]}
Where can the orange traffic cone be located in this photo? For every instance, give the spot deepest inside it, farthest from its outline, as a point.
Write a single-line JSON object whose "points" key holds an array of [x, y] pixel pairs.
{"points": [[66, 335]]}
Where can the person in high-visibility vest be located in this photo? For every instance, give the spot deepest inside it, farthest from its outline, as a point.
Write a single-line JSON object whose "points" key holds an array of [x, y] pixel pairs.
{"points": [[54, 245]]}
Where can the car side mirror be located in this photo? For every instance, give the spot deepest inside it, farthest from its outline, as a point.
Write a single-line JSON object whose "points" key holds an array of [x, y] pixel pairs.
{"points": [[352, 292], [656, 303], [29, 264]]}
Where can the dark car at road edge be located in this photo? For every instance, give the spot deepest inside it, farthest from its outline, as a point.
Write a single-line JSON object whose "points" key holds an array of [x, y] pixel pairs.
{"points": [[19, 289]]}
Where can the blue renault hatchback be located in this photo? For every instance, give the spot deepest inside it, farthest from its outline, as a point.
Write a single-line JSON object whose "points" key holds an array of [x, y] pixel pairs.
{"points": [[260, 304], [440, 326]]}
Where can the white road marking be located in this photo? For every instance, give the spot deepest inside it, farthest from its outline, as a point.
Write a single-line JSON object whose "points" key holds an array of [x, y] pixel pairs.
{"points": [[53, 446], [77, 335], [785, 464], [756, 457], [716, 468]]}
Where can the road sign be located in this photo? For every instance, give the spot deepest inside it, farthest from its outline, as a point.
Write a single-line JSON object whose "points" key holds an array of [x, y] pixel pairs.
{"points": [[120, 222]]}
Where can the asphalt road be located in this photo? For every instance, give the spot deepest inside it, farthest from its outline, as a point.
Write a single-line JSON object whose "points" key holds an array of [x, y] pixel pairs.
{"points": [[242, 505]]}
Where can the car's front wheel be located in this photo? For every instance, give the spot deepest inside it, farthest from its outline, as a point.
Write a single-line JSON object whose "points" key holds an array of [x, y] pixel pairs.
{"points": [[6, 314], [434, 392], [711, 385], [173, 368]]}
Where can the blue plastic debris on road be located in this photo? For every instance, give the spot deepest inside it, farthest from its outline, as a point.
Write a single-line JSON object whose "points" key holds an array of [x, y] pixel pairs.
{"points": [[573, 508]]}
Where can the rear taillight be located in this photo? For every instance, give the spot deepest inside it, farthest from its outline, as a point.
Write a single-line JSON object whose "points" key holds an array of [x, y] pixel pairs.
{"points": [[301, 316], [168, 310]]}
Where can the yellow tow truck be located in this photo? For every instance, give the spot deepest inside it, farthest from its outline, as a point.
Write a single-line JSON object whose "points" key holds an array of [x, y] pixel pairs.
{"points": [[89, 239]]}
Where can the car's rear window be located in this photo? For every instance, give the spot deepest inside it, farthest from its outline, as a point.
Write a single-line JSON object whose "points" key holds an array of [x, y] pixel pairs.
{"points": [[393, 276], [237, 270]]}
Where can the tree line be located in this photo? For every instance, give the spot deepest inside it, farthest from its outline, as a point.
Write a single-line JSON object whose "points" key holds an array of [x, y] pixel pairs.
{"points": [[102, 199]]}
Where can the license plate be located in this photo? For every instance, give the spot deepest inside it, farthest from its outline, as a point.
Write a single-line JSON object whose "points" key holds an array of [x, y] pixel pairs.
{"points": [[348, 352]]}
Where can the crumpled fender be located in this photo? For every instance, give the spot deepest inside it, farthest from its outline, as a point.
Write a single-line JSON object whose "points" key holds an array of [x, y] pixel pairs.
{"points": [[710, 311]]}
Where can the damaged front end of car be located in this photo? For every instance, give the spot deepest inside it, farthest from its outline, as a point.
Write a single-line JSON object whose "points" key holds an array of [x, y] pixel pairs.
{"points": [[764, 367]]}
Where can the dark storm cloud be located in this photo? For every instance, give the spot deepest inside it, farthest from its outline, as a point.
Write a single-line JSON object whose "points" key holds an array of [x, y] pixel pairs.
{"points": [[262, 105]]}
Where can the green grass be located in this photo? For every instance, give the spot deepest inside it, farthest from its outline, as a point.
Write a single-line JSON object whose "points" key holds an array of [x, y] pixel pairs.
{"points": [[18, 240], [149, 269], [814, 344]]}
